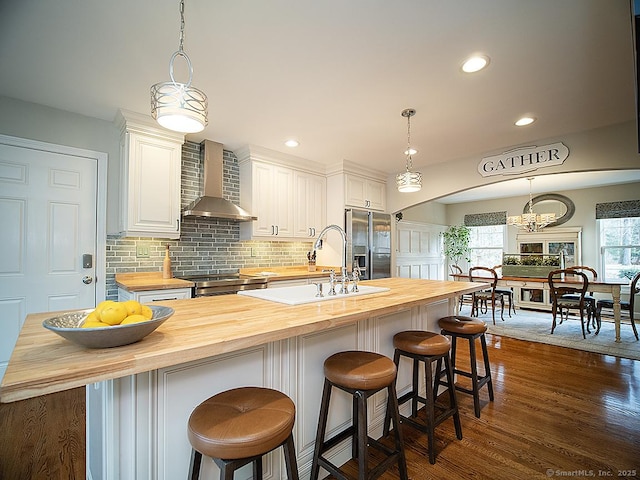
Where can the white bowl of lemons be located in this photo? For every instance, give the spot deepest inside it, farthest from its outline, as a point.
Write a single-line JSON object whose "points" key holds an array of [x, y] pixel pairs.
{"points": [[110, 324]]}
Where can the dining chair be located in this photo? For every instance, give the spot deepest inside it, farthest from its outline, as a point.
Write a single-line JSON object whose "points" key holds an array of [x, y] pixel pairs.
{"points": [[480, 299], [589, 299], [507, 292], [568, 282], [458, 271], [634, 289]]}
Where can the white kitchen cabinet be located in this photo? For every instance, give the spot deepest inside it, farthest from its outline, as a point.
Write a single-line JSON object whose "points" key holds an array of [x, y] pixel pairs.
{"points": [[310, 205], [271, 194], [285, 193], [150, 178], [148, 296], [363, 192]]}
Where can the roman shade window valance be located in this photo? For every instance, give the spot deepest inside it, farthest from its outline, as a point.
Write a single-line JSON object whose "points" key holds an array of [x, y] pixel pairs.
{"points": [[485, 219], [624, 209]]}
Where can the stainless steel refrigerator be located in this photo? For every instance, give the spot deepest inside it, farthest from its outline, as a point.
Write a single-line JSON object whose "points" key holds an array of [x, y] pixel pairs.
{"points": [[369, 242]]}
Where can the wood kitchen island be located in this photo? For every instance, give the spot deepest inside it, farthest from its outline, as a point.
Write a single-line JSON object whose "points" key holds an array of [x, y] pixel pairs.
{"points": [[210, 344]]}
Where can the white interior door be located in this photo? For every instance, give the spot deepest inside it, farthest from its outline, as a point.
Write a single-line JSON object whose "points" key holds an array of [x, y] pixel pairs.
{"points": [[419, 251], [49, 226]]}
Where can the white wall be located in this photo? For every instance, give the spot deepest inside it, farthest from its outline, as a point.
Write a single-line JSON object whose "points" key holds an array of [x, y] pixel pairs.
{"points": [[610, 148], [37, 122]]}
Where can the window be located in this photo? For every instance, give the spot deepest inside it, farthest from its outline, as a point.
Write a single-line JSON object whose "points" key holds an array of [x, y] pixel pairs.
{"points": [[487, 245], [620, 247]]}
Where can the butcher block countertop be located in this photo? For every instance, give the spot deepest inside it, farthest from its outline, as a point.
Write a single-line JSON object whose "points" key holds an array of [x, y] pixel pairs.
{"points": [[43, 362], [139, 282]]}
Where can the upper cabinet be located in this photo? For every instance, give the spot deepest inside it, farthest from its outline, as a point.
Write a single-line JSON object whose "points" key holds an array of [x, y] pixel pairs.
{"points": [[286, 193], [150, 178], [270, 190], [363, 192], [310, 204]]}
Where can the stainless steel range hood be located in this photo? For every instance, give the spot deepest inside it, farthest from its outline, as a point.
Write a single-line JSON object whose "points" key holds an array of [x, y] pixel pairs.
{"points": [[211, 204]]}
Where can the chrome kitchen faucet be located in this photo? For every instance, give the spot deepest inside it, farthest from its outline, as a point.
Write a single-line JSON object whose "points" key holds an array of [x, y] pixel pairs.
{"points": [[318, 246]]}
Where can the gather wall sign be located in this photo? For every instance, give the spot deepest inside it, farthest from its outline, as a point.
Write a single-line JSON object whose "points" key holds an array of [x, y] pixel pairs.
{"points": [[524, 159]]}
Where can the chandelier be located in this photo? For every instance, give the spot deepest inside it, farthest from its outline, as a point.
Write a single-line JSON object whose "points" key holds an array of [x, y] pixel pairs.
{"points": [[531, 222], [409, 181], [179, 106]]}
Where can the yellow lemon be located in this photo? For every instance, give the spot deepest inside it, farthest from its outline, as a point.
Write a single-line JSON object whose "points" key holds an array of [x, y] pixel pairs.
{"points": [[134, 319], [146, 312], [92, 317], [94, 324], [101, 306], [113, 314], [133, 307]]}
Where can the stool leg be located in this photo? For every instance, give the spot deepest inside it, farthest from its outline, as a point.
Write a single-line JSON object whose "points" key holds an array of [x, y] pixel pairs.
{"points": [[257, 468], [226, 473], [361, 400], [399, 443], [430, 408], [387, 416], [487, 366], [194, 464], [454, 344], [322, 427], [436, 382], [290, 458], [414, 388], [453, 401], [474, 376], [356, 430]]}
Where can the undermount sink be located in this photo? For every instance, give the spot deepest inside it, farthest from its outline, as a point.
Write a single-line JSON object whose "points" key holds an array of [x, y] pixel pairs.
{"points": [[307, 293]]}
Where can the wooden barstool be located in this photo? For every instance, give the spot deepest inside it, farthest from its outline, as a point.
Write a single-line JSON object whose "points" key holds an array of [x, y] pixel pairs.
{"points": [[361, 374], [460, 326], [238, 427], [427, 347]]}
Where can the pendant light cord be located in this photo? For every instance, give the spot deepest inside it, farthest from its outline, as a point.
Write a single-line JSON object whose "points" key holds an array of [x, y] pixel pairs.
{"points": [[181, 39], [409, 160]]}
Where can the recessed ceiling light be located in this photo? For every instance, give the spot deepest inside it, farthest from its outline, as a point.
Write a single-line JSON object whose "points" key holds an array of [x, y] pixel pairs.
{"points": [[475, 63], [411, 151], [524, 121], [292, 143]]}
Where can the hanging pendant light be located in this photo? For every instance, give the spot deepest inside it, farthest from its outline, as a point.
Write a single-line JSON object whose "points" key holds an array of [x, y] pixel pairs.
{"points": [[179, 106], [409, 181], [531, 222]]}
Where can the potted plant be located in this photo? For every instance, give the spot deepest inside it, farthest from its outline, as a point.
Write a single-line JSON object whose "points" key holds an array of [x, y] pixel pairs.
{"points": [[529, 264], [456, 245]]}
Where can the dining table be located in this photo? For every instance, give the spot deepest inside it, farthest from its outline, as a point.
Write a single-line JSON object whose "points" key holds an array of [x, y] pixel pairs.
{"points": [[610, 287]]}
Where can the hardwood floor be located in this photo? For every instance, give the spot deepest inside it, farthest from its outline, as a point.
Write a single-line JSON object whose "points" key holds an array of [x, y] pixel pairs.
{"points": [[558, 412]]}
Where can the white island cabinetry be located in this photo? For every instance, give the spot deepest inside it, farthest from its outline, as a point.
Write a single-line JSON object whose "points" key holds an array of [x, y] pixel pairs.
{"points": [[161, 401]]}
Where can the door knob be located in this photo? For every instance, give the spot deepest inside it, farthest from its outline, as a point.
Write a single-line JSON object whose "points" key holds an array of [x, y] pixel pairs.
{"points": [[87, 279]]}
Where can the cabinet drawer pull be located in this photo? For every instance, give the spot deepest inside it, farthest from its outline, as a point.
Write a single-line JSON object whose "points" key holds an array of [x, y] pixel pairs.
{"points": [[164, 299]]}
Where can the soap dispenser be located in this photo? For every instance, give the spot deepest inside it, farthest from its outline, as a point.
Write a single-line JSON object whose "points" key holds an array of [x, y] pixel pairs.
{"points": [[166, 264]]}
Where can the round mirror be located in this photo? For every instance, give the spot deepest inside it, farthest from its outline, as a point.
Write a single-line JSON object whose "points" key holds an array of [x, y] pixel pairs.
{"points": [[562, 206]]}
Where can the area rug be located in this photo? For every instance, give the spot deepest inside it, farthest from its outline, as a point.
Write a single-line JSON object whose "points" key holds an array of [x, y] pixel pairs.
{"points": [[535, 326]]}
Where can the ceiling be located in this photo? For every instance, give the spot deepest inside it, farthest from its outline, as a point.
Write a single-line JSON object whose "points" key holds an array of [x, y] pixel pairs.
{"points": [[336, 74]]}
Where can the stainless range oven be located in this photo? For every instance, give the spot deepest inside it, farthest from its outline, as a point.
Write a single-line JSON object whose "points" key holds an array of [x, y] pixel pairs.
{"points": [[224, 283]]}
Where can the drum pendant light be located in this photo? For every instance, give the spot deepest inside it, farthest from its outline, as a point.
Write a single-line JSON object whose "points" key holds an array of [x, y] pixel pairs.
{"points": [[409, 181], [179, 106]]}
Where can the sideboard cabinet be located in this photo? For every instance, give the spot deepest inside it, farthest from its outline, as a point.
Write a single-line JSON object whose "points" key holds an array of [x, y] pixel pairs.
{"points": [[554, 241]]}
